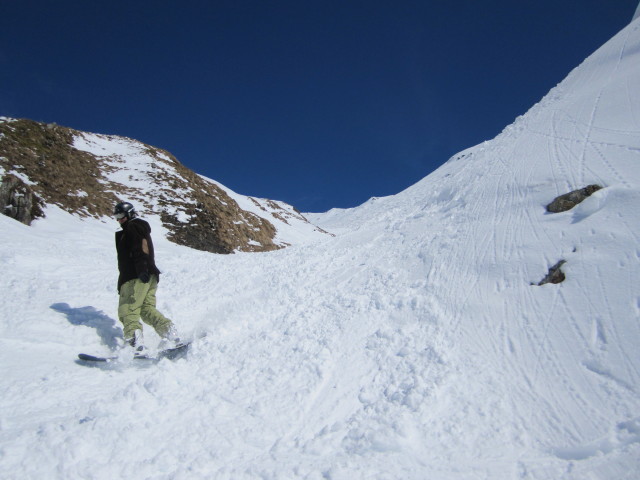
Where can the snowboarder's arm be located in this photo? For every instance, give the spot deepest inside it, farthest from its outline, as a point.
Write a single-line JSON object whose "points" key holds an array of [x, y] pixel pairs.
{"points": [[139, 251]]}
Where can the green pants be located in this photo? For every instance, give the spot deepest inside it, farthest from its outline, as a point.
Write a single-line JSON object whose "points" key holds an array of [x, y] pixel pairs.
{"points": [[138, 300]]}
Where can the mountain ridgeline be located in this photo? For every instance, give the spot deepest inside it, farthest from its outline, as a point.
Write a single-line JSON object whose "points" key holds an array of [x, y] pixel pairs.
{"points": [[86, 174]]}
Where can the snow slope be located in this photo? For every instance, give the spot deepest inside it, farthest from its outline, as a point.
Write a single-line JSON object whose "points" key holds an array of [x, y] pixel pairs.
{"points": [[133, 168], [410, 346]]}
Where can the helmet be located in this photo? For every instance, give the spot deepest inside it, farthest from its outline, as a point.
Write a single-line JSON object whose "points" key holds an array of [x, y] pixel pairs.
{"points": [[124, 209]]}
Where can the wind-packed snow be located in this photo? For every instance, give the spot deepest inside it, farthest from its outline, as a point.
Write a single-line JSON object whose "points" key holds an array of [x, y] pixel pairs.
{"points": [[412, 345]]}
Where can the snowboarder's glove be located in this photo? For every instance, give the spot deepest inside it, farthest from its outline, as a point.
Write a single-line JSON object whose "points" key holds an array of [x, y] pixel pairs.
{"points": [[144, 277]]}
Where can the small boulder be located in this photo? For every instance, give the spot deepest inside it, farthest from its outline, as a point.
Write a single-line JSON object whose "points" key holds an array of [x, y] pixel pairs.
{"points": [[569, 200], [18, 200], [555, 275]]}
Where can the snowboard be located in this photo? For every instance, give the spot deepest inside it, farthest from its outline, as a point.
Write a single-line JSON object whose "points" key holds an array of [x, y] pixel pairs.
{"points": [[170, 353]]}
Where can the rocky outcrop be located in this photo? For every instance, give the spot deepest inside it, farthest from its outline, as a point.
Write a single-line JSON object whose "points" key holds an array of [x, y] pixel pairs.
{"points": [[18, 201], [63, 167], [555, 275], [569, 200], [57, 173], [208, 218]]}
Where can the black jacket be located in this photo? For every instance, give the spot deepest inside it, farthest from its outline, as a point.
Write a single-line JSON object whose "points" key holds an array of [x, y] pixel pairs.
{"points": [[135, 251]]}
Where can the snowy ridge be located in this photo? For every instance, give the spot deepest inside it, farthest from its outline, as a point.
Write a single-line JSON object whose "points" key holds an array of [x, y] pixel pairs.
{"points": [[131, 165], [293, 227], [410, 346]]}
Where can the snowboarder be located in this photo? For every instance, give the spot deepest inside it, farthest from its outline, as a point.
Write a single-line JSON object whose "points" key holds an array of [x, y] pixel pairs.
{"points": [[138, 281]]}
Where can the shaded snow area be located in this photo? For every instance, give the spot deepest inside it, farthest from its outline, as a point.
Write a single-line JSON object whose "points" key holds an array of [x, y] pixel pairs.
{"points": [[412, 345]]}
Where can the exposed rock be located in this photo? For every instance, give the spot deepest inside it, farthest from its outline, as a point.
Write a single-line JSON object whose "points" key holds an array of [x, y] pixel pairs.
{"points": [[18, 201], [284, 212], [59, 174], [555, 275], [216, 222], [569, 200], [87, 182]]}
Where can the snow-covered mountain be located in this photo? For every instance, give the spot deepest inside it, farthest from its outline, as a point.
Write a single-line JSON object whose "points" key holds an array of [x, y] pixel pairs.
{"points": [[415, 344], [87, 174]]}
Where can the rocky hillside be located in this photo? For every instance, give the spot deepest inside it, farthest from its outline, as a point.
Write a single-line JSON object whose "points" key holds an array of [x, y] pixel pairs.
{"points": [[86, 174]]}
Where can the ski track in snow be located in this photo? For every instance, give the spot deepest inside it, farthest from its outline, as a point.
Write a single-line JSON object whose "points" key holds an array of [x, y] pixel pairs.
{"points": [[411, 345]]}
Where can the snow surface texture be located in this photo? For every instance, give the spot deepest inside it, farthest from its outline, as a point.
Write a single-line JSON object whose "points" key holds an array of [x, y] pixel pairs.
{"points": [[410, 346]]}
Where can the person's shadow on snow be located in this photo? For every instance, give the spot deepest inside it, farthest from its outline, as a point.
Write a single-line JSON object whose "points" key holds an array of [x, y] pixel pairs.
{"points": [[91, 317]]}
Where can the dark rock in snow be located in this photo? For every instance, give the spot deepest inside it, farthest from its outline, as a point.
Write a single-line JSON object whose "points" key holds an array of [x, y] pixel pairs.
{"points": [[569, 200], [555, 275], [18, 200]]}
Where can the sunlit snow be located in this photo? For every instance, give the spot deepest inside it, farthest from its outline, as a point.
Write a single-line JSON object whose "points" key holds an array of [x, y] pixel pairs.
{"points": [[412, 345]]}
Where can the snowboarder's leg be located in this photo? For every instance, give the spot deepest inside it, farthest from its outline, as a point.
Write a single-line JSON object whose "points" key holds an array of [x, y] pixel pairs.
{"points": [[132, 295], [150, 315]]}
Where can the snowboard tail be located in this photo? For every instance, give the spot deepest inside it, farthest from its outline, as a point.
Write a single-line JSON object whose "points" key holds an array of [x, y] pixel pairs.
{"points": [[170, 353], [92, 358]]}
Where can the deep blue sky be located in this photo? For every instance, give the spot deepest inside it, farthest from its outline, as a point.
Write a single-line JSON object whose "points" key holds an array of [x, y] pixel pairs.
{"points": [[318, 103]]}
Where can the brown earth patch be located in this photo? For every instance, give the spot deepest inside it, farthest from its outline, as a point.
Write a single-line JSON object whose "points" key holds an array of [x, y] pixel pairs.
{"points": [[74, 180]]}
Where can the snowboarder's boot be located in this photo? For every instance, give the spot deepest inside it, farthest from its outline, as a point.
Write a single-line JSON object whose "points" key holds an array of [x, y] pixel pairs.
{"points": [[171, 339], [137, 342]]}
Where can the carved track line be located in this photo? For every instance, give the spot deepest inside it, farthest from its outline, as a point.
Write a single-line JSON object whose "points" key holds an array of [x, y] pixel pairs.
{"points": [[596, 105], [610, 166]]}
